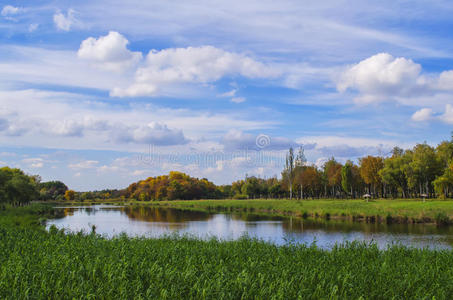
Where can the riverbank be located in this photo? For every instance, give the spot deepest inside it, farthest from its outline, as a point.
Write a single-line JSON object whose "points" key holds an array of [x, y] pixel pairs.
{"points": [[382, 210], [32, 215], [41, 265]]}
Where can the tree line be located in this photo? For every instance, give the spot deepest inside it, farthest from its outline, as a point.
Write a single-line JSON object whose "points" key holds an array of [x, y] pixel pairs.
{"points": [[423, 171]]}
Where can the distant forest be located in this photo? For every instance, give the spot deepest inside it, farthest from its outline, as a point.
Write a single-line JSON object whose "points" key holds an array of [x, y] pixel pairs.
{"points": [[423, 171]]}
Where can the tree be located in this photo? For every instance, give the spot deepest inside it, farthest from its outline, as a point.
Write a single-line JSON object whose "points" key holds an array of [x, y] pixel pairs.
{"points": [[347, 177], [300, 162], [332, 175], [311, 178], [16, 187], [369, 170], [444, 152], [424, 168], [69, 195], [51, 190], [394, 172], [444, 184], [288, 173]]}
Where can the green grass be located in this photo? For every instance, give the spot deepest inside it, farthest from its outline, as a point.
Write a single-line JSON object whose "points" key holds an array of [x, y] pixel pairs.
{"points": [[383, 210], [35, 264], [26, 216]]}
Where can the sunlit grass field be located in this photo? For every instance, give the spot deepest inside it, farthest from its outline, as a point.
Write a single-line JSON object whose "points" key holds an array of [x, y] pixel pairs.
{"points": [[413, 210], [35, 264]]}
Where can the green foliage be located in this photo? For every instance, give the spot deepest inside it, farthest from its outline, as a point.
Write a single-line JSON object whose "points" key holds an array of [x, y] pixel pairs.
{"points": [[26, 216], [51, 190], [40, 265], [347, 177], [17, 188]]}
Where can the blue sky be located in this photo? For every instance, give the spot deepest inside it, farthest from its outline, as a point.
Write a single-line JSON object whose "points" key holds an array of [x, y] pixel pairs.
{"points": [[103, 93]]}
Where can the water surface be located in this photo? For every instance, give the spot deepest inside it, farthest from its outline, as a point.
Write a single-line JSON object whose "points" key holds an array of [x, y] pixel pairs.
{"points": [[148, 221]]}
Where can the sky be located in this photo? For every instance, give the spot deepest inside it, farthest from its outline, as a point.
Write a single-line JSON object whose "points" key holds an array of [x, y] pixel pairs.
{"points": [[100, 94]]}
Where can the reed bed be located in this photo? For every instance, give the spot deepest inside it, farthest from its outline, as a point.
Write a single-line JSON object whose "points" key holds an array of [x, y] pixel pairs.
{"points": [[35, 264]]}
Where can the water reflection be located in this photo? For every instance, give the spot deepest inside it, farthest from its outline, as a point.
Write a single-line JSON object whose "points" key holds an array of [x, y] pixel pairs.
{"points": [[155, 221]]}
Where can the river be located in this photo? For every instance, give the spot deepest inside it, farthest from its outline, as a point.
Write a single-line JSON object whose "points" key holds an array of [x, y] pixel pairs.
{"points": [[110, 220]]}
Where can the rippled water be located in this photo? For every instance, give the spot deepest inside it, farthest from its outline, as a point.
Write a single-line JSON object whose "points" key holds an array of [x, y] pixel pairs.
{"points": [[147, 221]]}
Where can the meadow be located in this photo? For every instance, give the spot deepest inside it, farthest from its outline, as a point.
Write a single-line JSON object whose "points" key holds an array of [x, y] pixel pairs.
{"points": [[380, 210], [35, 264]]}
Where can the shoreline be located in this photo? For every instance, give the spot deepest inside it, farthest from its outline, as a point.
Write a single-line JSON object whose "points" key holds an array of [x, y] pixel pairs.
{"points": [[401, 211]]}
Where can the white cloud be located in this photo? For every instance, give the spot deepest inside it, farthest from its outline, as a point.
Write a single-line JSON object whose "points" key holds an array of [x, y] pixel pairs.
{"points": [[231, 93], [34, 162], [9, 10], [67, 120], [153, 133], [446, 80], [45, 66], [380, 77], [447, 117], [109, 52], [424, 114], [32, 27], [86, 164], [64, 22], [238, 99], [200, 65]]}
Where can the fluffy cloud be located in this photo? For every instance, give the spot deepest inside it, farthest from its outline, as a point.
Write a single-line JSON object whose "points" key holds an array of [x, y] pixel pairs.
{"points": [[109, 52], [424, 114], [153, 133], [191, 65], [64, 22], [11, 127], [447, 117], [381, 77], [238, 99], [9, 10], [446, 81]]}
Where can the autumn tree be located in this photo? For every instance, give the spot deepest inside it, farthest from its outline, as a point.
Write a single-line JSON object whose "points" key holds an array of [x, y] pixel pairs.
{"points": [[332, 174], [369, 170], [69, 195]]}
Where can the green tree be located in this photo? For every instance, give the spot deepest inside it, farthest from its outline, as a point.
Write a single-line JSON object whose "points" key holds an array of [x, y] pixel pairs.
{"points": [[347, 178], [424, 168], [394, 172], [16, 187]]}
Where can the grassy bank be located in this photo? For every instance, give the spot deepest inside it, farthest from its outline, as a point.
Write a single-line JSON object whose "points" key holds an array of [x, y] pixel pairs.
{"points": [[36, 264], [382, 210], [27, 216]]}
